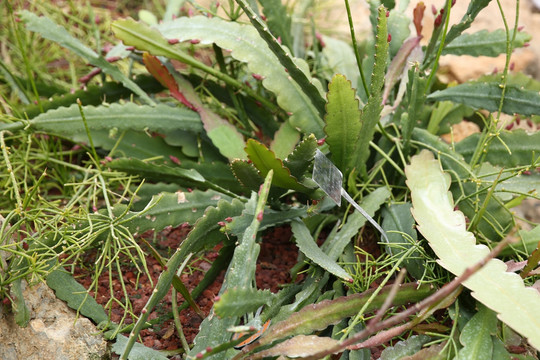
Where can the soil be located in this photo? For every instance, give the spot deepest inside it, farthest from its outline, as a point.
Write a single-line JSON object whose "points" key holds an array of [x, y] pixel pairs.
{"points": [[278, 255]]}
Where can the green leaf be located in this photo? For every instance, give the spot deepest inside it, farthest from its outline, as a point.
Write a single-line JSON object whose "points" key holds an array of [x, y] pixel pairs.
{"points": [[497, 220], [129, 116], [487, 95], [270, 218], [139, 352], [173, 9], [246, 253], [445, 230], [499, 350], [307, 245], [240, 301], [76, 296], [202, 234], [399, 226], [476, 336], [404, 348], [319, 316], [285, 140], [372, 111], [265, 160], [147, 17], [171, 209], [342, 123], [416, 92], [524, 148], [22, 313], [446, 114], [49, 30], [246, 174], [475, 6], [334, 245], [295, 67], [299, 161], [157, 172], [246, 46], [528, 243], [224, 135], [484, 43], [510, 186], [93, 95], [213, 329], [14, 83], [132, 144], [517, 79]]}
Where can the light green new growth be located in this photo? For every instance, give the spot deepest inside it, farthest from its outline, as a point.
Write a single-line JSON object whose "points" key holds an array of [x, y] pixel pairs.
{"points": [[445, 230]]}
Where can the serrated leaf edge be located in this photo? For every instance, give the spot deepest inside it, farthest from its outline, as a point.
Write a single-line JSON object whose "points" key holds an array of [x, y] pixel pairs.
{"points": [[445, 230]]}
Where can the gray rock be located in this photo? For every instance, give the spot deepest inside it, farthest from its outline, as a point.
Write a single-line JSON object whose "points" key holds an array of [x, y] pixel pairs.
{"points": [[54, 331]]}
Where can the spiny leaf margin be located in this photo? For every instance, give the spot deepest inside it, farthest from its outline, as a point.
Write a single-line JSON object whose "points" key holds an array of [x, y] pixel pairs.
{"points": [[239, 301], [445, 230]]}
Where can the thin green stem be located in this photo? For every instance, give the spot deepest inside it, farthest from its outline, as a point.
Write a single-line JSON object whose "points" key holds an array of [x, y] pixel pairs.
{"points": [[355, 48], [242, 116], [509, 50], [22, 49], [480, 214], [87, 129], [441, 45], [9, 168], [175, 311], [388, 158]]}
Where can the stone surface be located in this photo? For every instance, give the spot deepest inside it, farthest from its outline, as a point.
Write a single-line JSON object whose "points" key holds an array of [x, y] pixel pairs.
{"points": [[52, 332]]}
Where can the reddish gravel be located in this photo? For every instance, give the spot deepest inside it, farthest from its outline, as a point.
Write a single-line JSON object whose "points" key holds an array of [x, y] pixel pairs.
{"points": [[278, 254]]}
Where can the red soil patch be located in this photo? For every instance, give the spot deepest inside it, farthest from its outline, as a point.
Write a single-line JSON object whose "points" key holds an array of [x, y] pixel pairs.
{"points": [[278, 254]]}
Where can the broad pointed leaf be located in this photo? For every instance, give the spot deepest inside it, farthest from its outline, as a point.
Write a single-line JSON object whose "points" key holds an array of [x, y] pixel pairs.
{"points": [[265, 160], [299, 161], [309, 247], [342, 123], [246, 174]]}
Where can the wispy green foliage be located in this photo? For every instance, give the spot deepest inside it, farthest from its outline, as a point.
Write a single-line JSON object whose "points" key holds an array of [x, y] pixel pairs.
{"points": [[48, 29]]}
